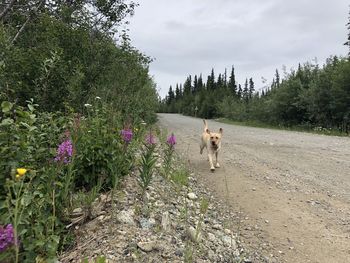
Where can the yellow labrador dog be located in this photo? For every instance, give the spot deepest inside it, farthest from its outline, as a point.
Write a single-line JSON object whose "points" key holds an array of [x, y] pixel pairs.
{"points": [[211, 141]]}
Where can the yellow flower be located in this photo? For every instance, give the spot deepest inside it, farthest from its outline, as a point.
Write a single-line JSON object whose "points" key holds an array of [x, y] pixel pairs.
{"points": [[18, 176], [21, 171]]}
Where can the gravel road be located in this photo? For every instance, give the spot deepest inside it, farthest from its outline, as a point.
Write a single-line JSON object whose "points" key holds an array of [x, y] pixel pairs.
{"points": [[289, 190]]}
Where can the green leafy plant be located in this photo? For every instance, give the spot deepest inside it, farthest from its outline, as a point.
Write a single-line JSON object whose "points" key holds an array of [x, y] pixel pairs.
{"points": [[100, 151], [148, 161]]}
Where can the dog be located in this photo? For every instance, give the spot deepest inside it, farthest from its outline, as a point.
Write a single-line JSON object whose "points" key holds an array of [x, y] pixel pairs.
{"points": [[211, 141]]}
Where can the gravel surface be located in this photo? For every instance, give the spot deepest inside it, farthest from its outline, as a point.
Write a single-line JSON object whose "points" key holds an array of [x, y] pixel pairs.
{"points": [[291, 189]]}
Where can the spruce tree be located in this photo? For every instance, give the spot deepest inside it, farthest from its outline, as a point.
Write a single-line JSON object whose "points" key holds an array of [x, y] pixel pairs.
{"points": [[177, 92], [277, 81], [273, 84], [348, 41], [232, 83], [195, 85], [220, 82], [225, 78], [251, 88], [200, 83], [245, 94], [171, 95], [239, 92], [211, 81], [187, 86]]}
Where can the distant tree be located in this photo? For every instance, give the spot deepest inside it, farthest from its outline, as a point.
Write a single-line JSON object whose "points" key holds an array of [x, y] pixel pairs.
{"points": [[245, 94], [187, 86], [200, 83], [171, 96], [220, 82], [211, 81], [239, 92], [348, 41], [277, 77], [251, 88], [225, 78], [195, 85], [178, 94], [232, 83]]}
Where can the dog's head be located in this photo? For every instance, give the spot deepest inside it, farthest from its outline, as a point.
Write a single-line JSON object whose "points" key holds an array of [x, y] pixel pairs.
{"points": [[215, 137]]}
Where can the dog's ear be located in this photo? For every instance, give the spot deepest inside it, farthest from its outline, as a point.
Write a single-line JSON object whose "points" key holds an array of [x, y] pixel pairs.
{"points": [[207, 131], [221, 130]]}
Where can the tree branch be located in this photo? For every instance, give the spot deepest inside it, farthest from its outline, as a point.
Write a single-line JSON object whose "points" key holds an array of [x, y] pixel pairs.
{"points": [[7, 9], [21, 29], [26, 22]]}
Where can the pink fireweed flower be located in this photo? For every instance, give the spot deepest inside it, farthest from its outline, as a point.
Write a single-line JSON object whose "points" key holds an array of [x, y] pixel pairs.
{"points": [[171, 140], [64, 152], [7, 238], [127, 135]]}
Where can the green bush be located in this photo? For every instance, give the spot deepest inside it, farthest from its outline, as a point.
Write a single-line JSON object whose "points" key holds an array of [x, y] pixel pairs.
{"points": [[38, 204], [100, 152]]}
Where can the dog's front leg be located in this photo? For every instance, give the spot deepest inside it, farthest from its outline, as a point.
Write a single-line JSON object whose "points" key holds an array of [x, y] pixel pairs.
{"points": [[217, 165], [201, 147], [210, 156]]}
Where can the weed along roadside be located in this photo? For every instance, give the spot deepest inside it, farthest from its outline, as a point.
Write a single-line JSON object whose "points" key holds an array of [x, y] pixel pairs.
{"points": [[54, 166], [171, 218]]}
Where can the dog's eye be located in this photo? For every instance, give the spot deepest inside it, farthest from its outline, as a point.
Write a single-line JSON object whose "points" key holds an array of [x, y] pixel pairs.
{"points": [[211, 137], [217, 137]]}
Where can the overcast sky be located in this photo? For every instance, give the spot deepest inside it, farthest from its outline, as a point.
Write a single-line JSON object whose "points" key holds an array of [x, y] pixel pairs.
{"points": [[257, 37]]}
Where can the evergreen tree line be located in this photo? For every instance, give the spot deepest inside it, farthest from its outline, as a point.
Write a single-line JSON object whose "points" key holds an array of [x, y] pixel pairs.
{"points": [[196, 97], [311, 96], [65, 53]]}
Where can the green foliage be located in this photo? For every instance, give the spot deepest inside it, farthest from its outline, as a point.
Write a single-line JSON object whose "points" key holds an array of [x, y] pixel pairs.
{"points": [[311, 97], [168, 157], [148, 161], [39, 204], [100, 151], [64, 55], [28, 140], [58, 63]]}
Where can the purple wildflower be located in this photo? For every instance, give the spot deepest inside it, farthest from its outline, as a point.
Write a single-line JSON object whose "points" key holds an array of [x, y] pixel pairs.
{"points": [[171, 140], [127, 135], [6, 237], [64, 152], [150, 139]]}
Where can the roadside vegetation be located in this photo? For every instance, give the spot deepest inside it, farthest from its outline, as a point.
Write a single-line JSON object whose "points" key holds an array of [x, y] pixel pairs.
{"points": [[76, 104]]}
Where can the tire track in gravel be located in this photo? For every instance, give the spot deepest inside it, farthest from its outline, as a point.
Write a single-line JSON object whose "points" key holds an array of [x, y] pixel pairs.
{"points": [[291, 189]]}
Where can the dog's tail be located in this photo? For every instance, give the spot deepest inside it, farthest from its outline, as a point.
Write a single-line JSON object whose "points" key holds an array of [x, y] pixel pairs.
{"points": [[205, 126]]}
